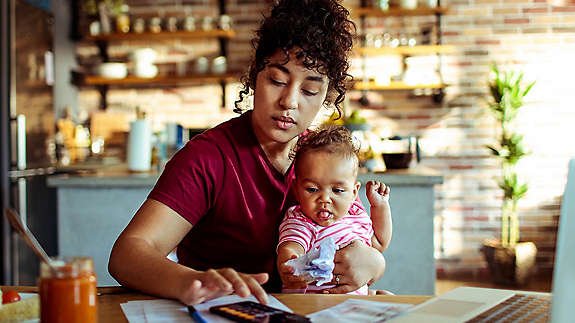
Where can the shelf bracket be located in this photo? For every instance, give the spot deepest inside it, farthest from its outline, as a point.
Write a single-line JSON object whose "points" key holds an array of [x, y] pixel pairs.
{"points": [[103, 89], [103, 48], [223, 88]]}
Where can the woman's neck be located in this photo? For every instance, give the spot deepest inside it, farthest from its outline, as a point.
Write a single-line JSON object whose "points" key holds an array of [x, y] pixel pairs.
{"points": [[276, 152]]}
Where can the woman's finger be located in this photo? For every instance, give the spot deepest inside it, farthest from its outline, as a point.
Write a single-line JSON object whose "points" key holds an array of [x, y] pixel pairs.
{"points": [[337, 279], [255, 288], [340, 289], [213, 279], [261, 277], [238, 283]]}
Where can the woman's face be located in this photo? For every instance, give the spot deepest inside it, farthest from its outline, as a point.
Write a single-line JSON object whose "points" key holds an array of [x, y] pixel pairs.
{"points": [[287, 98]]}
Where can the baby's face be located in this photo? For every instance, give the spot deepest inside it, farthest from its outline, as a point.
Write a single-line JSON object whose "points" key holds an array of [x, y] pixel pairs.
{"points": [[325, 186]]}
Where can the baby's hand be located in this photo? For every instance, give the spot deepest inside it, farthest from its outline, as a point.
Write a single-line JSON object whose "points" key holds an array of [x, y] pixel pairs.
{"points": [[289, 280], [377, 193]]}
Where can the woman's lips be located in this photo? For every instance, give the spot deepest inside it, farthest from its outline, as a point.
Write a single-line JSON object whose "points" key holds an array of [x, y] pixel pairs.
{"points": [[284, 123]]}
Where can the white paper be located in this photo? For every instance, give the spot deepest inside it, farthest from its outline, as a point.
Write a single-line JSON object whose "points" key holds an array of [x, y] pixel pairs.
{"points": [[134, 311], [165, 310], [358, 310]]}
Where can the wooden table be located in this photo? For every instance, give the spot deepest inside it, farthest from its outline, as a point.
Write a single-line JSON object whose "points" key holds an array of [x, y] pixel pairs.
{"points": [[110, 298]]}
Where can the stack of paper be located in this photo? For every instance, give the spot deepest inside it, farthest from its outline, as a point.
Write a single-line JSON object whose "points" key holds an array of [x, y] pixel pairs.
{"points": [[165, 310]]}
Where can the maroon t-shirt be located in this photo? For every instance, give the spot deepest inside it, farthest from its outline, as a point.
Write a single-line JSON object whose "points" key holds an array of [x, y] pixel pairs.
{"points": [[224, 185]]}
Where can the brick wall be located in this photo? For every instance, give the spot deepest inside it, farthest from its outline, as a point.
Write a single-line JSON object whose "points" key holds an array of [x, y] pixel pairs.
{"points": [[520, 34]]}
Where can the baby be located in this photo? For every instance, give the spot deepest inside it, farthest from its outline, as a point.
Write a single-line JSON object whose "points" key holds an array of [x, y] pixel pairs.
{"points": [[326, 166]]}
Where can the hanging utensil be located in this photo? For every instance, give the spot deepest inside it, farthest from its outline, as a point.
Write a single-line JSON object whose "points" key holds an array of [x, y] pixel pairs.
{"points": [[28, 236]]}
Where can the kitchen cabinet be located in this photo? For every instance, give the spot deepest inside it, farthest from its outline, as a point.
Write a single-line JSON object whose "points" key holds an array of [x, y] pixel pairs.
{"points": [[367, 50], [104, 41]]}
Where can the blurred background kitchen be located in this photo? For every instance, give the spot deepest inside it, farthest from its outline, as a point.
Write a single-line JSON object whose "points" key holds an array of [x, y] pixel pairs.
{"points": [[98, 94]]}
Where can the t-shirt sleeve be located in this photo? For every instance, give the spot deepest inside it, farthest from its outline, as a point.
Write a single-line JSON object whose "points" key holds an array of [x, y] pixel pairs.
{"points": [[189, 182], [295, 228]]}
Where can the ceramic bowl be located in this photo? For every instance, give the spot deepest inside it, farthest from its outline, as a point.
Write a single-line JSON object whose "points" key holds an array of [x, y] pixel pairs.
{"points": [[112, 70]]}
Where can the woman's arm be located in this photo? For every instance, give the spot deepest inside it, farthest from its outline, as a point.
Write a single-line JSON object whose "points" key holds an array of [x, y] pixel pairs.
{"points": [[356, 265], [138, 260]]}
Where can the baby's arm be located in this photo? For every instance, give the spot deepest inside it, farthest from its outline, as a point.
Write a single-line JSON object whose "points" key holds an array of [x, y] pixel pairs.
{"points": [[378, 196], [289, 250]]}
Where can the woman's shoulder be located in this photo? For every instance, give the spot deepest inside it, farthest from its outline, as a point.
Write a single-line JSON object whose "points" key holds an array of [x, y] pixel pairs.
{"points": [[218, 139]]}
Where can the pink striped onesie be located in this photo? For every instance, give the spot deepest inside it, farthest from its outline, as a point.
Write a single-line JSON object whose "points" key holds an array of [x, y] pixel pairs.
{"points": [[356, 225]]}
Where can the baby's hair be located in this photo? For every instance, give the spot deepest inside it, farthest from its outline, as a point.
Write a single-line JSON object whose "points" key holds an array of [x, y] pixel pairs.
{"points": [[322, 32], [332, 139]]}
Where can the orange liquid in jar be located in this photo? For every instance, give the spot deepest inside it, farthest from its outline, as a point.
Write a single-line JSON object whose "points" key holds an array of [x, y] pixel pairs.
{"points": [[68, 294]]}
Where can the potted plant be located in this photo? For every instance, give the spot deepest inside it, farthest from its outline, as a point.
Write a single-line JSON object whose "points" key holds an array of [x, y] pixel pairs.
{"points": [[510, 261], [367, 159]]}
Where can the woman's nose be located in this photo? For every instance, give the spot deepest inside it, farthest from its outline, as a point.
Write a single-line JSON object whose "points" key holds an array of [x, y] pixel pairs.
{"points": [[289, 98]]}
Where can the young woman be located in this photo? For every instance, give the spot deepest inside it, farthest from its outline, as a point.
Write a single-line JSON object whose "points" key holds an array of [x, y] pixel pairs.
{"points": [[221, 198]]}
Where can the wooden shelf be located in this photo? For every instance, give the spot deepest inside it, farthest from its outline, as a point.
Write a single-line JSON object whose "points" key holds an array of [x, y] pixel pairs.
{"points": [[395, 12], [160, 80], [395, 86], [162, 35], [406, 50]]}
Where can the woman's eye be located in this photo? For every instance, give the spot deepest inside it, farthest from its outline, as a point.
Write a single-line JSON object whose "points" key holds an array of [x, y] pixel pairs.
{"points": [[276, 82], [311, 189], [309, 93]]}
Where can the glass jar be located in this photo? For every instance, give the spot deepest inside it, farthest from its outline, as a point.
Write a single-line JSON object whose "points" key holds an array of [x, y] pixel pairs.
{"points": [[123, 20], [68, 292]]}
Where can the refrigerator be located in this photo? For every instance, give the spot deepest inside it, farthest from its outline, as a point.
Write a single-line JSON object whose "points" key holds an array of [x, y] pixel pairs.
{"points": [[27, 129]]}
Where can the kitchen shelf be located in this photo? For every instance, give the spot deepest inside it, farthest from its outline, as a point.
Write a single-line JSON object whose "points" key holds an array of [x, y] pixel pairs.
{"points": [[161, 35], [133, 81], [398, 12], [104, 41], [435, 48], [406, 50], [395, 86]]}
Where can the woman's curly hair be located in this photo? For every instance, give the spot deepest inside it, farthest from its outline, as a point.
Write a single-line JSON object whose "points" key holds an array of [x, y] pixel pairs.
{"points": [[332, 139], [323, 32]]}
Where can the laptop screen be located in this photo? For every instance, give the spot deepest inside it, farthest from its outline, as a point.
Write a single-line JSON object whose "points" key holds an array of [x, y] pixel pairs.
{"points": [[564, 270]]}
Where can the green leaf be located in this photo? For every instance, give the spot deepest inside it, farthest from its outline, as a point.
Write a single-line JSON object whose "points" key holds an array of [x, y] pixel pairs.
{"points": [[494, 151]]}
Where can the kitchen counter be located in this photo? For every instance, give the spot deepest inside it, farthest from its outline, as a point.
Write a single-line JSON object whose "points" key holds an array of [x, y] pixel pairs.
{"points": [[94, 206], [120, 176]]}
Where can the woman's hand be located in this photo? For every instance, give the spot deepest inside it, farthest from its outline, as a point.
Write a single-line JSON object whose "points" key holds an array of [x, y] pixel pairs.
{"points": [[213, 283], [356, 265]]}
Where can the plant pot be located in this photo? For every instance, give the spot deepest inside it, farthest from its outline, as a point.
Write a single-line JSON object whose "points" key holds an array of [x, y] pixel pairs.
{"points": [[512, 266]]}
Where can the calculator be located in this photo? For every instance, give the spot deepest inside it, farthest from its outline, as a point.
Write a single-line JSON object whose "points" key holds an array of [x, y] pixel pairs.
{"points": [[249, 311]]}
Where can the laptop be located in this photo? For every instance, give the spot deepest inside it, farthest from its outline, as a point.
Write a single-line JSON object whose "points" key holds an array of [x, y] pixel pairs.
{"points": [[470, 304]]}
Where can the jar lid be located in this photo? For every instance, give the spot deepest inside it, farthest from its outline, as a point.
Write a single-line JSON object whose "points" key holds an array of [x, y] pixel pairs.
{"points": [[67, 267]]}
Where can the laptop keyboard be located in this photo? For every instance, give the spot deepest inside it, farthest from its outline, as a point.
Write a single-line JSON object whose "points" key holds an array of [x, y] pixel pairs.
{"points": [[519, 308]]}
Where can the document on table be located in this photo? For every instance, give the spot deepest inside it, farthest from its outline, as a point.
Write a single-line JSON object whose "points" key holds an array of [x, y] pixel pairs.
{"points": [[165, 310], [358, 310]]}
